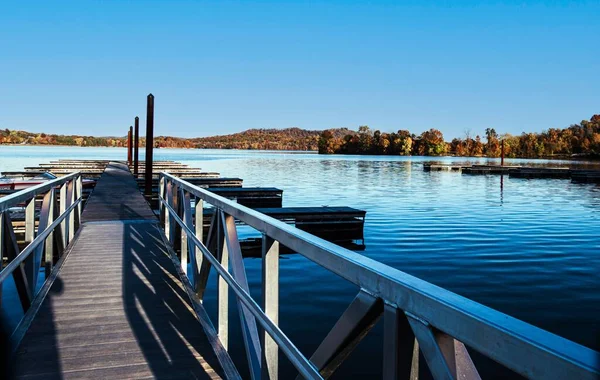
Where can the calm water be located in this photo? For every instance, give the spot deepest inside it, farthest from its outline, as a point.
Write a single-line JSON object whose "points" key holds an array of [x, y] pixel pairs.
{"points": [[529, 248]]}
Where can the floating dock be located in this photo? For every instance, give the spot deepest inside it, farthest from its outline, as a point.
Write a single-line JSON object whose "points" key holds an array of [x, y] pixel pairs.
{"points": [[575, 175], [585, 176], [94, 168], [527, 172], [441, 168], [488, 169], [340, 225]]}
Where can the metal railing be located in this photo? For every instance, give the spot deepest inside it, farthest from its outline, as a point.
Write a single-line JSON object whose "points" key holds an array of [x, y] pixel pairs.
{"points": [[417, 315], [57, 221]]}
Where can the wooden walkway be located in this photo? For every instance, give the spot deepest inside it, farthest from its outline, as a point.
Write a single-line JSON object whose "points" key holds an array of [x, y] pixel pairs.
{"points": [[117, 308], [117, 197]]}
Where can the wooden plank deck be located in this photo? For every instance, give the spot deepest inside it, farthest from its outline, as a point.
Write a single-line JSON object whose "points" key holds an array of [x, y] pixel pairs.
{"points": [[117, 308], [117, 197]]}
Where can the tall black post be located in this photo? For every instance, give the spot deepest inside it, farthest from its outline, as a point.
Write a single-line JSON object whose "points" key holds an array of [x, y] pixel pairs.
{"points": [[136, 143], [149, 143]]}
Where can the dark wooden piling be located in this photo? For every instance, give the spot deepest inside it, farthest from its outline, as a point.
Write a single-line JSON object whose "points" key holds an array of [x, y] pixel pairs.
{"points": [[149, 143], [502, 153], [130, 146], [136, 143]]}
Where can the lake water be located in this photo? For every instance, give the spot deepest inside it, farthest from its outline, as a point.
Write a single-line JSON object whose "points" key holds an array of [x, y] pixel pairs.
{"points": [[529, 248]]}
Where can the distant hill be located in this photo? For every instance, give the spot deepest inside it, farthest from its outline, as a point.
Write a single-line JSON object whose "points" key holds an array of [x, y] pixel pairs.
{"points": [[268, 139]]}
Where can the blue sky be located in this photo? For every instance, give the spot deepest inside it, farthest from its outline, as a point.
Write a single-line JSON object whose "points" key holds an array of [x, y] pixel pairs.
{"points": [[85, 67]]}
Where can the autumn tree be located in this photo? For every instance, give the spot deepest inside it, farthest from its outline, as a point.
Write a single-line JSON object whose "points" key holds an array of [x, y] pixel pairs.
{"points": [[328, 143], [431, 143], [365, 139], [492, 145]]}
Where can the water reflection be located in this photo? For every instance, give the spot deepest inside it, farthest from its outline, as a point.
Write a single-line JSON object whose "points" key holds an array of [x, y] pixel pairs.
{"points": [[501, 188]]}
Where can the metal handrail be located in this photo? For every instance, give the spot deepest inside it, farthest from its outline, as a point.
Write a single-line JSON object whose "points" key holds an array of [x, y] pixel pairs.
{"points": [[51, 216], [294, 355], [24, 254], [21, 196], [526, 349]]}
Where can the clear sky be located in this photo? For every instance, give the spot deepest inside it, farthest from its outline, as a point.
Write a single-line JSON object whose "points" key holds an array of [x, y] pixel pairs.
{"points": [[85, 67]]}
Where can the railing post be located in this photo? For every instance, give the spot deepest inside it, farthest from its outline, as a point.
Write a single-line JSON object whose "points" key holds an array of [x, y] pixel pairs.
{"points": [[185, 207], [173, 225], [168, 200], [161, 194], [44, 254], [400, 349], [49, 243], [203, 265], [78, 195], [222, 287], [136, 143], [199, 221], [199, 230], [149, 143], [71, 216], [30, 220], [270, 304], [62, 207]]}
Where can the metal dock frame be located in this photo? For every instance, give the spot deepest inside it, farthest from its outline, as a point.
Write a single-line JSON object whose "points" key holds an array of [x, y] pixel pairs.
{"points": [[415, 312]]}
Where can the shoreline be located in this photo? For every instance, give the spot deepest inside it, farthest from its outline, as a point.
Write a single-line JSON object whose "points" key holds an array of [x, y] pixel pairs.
{"points": [[178, 148], [590, 158], [68, 146]]}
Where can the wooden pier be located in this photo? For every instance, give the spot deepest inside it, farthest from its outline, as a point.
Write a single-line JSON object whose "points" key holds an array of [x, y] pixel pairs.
{"points": [[117, 308], [575, 175]]}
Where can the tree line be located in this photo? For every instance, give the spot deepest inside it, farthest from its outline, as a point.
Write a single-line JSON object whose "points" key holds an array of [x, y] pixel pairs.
{"points": [[8, 136], [15, 137], [577, 139], [261, 139]]}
